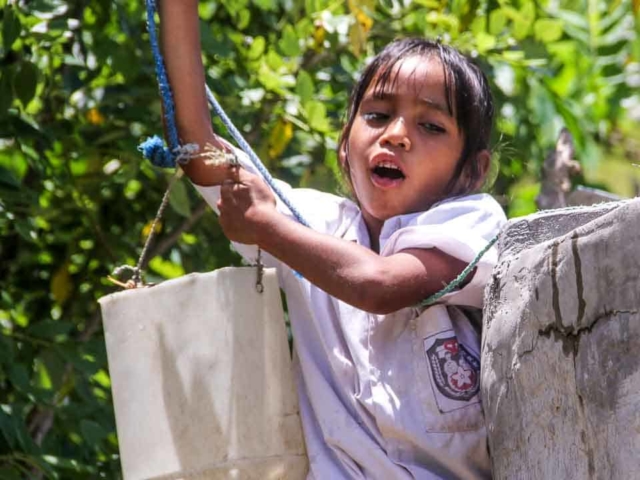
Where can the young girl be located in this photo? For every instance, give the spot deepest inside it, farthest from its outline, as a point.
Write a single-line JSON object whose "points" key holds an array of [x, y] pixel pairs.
{"points": [[387, 390]]}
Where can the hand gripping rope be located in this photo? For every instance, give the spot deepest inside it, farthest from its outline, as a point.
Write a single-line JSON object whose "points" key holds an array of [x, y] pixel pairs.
{"points": [[161, 156], [154, 150]]}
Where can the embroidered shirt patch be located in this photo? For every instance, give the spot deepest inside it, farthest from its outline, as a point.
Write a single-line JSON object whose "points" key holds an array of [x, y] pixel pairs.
{"points": [[455, 370]]}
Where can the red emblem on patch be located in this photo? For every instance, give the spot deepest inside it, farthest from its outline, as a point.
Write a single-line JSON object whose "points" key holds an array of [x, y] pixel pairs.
{"points": [[455, 370]]}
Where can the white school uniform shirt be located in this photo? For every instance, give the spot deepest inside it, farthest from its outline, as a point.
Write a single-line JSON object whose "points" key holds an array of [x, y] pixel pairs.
{"points": [[395, 396]]}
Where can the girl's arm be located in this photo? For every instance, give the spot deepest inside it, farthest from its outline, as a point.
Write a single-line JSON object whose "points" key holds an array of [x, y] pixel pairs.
{"points": [[180, 41], [345, 270]]}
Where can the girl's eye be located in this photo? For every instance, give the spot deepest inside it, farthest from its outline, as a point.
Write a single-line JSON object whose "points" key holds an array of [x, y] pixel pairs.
{"points": [[433, 128], [375, 116]]}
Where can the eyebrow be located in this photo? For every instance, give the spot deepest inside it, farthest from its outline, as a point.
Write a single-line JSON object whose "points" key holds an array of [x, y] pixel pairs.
{"points": [[430, 102]]}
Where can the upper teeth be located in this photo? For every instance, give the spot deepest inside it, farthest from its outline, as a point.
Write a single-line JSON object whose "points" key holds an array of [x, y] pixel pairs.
{"points": [[388, 165]]}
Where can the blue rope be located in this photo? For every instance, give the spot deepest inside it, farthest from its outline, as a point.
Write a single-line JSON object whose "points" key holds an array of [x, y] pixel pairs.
{"points": [[153, 148], [242, 143]]}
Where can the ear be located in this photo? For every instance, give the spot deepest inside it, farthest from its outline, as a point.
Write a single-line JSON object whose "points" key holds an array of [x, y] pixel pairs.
{"points": [[483, 160], [342, 154]]}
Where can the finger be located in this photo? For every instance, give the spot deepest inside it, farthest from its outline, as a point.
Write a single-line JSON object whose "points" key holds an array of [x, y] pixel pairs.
{"points": [[226, 190], [235, 173], [222, 221], [245, 176], [226, 222]]}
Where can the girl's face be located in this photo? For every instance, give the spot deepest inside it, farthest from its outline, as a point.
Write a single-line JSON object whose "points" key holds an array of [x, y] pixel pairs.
{"points": [[404, 144]]}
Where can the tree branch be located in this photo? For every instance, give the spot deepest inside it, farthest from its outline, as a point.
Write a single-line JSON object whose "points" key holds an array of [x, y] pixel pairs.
{"points": [[174, 236]]}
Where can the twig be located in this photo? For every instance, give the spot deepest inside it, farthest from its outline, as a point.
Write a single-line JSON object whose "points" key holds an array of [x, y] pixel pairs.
{"points": [[174, 236], [91, 327]]}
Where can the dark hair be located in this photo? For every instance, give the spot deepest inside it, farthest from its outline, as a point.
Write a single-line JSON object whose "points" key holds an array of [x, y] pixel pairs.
{"points": [[468, 95]]}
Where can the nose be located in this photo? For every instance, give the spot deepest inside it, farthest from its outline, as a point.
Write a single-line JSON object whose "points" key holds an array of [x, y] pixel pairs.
{"points": [[396, 134]]}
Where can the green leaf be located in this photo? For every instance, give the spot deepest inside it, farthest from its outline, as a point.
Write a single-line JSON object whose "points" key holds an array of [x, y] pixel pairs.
{"points": [[92, 432], [25, 82], [55, 367], [497, 21], [548, 30], [49, 329], [479, 25], [317, 115], [19, 376], [257, 48], [26, 127], [8, 179], [273, 60], [266, 5], [42, 377], [6, 426], [7, 349], [179, 199], [513, 55], [25, 230], [83, 364], [289, 43], [102, 378], [313, 6], [524, 21], [233, 7], [10, 27], [6, 90], [270, 79], [14, 430], [304, 87], [243, 19], [485, 42], [528, 10], [166, 268]]}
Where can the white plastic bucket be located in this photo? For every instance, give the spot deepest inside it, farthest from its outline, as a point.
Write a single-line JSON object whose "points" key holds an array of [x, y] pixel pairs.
{"points": [[202, 379]]}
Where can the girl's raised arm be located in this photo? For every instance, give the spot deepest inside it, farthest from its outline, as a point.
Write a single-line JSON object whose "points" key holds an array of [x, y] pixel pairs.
{"points": [[180, 41]]}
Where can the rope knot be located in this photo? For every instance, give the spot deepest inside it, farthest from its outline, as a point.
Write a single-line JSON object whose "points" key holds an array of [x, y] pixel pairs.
{"points": [[153, 149]]}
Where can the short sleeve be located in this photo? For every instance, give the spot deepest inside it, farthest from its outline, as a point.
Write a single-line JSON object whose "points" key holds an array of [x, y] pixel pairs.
{"points": [[459, 227]]}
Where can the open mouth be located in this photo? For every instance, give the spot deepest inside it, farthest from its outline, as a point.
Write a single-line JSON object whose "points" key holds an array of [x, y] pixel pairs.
{"points": [[387, 174]]}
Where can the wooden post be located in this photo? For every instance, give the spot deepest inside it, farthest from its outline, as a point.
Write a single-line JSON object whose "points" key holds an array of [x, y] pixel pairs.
{"points": [[561, 346]]}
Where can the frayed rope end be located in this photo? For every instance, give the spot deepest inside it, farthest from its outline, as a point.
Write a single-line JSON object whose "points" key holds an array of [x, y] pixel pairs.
{"points": [[153, 149]]}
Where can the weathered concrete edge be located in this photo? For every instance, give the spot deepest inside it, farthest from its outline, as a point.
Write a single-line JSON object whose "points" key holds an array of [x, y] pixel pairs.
{"points": [[524, 232]]}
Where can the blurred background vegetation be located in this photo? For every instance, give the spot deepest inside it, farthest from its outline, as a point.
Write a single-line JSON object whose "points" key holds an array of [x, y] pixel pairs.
{"points": [[78, 94]]}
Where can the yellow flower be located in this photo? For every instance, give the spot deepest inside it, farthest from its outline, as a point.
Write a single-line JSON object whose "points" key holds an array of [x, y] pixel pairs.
{"points": [[94, 117]]}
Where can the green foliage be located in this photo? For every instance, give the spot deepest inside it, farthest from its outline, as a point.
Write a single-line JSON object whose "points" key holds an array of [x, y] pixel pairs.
{"points": [[77, 94]]}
